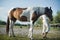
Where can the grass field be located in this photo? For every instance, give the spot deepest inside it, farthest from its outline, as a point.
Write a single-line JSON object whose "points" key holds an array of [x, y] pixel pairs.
{"points": [[51, 36], [36, 37]]}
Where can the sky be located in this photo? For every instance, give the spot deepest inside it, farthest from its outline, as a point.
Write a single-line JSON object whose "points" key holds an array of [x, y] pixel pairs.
{"points": [[6, 5]]}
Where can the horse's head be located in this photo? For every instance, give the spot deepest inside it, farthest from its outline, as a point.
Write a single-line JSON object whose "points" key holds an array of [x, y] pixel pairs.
{"points": [[48, 12]]}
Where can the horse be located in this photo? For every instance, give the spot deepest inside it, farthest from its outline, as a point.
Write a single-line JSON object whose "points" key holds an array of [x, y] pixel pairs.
{"points": [[30, 14]]}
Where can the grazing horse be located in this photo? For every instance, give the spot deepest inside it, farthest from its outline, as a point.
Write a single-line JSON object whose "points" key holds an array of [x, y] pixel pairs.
{"points": [[30, 14]]}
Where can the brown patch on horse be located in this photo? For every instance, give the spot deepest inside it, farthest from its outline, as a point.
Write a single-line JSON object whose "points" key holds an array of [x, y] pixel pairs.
{"points": [[23, 18], [15, 14], [35, 16]]}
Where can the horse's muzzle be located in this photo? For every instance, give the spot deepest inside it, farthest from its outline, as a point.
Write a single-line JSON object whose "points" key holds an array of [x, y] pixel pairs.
{"points": [[51, 19]]}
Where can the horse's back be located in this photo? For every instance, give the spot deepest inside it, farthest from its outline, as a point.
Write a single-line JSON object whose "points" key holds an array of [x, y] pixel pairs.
{"points": [[22, 13]]}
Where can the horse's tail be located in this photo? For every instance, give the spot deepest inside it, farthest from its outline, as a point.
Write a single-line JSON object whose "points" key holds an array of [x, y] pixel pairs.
{"points": [[7, 26]]}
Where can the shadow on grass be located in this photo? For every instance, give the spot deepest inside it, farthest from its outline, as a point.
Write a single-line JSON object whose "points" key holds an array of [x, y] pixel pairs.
{"points": [[47, 39]]}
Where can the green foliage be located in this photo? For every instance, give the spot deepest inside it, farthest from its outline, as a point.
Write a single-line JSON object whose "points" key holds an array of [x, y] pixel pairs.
{"points": [[57, 17], [52, 22], [2, 22], [40, 21]]}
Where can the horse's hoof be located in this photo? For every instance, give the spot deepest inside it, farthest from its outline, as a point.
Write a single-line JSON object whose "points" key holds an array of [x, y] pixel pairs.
{"points": [[44, 37], [14, 36], [10, 36], [31, 39]]}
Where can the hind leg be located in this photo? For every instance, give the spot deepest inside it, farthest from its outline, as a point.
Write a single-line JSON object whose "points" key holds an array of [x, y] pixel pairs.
{"points": [[11, 32]]}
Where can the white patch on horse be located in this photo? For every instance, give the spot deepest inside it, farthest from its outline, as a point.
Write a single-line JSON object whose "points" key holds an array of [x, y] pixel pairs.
{"points": [[27, 13], [41, 10]]}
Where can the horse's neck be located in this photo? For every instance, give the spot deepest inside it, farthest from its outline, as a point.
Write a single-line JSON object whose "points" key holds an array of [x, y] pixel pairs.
{"points": [[41, 10]]}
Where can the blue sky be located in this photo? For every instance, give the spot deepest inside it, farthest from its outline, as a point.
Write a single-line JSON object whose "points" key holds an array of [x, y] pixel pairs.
{"points": [[6, 5]]}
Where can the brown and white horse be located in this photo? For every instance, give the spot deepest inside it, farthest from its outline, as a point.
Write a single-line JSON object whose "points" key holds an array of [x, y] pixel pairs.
{"points": [[30, 14]]}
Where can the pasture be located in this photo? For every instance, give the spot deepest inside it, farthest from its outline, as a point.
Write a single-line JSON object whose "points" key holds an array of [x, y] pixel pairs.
{"points": [[21, 33]]}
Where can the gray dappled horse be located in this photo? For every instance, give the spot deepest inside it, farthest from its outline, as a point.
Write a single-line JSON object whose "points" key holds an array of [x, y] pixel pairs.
{"points": [[30, 14]]}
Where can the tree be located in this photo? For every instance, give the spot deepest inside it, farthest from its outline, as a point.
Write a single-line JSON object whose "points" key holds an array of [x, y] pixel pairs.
{"points": [[57, 17], [2, 22]]}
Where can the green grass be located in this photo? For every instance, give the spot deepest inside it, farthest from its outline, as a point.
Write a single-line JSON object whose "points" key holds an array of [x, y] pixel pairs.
{"points": [[51, 36], [2, 25], [36, 37], [5, 37]]}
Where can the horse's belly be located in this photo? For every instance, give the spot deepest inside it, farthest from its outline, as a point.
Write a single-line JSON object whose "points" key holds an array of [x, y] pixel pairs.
{"points": [[26, 14]]}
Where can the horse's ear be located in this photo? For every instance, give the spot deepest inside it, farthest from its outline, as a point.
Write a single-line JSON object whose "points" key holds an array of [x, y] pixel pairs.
{"points": [[50, 7]]}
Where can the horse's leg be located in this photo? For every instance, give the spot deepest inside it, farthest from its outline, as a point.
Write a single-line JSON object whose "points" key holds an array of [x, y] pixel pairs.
{"points": [[30, 35], [43, 31], [47, 29], [11, 32], [31, 26], [7, 26]]}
